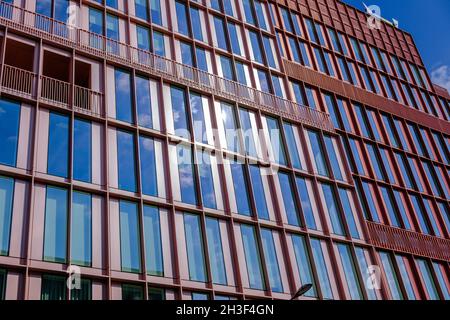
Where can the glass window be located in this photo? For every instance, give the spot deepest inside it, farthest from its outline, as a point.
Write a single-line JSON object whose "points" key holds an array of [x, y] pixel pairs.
{"points": [[286, 19], [230, 127], [58, 145], [81, 229], [126, 161], [405, 277], [321, 267], [53, 288], [143, 37], [228, 8], [240, 188], [263, 81], [112, 32], [227, 68], [158, 44], [9, 131], [141, 9], [220, 33], [342, 107], [195, 20], [6, 207], [390, 131], [304, 51], [148, 166], [290, 206], [130, 249], [252, 257], [155, 6], [440, 275], [144, 102], [194, 247], [199, 296], [247, 127], [132, 292], [303, 260], [55, 234], [270, 255], [420, 213], [248, 12], [332, 209], [157, 294], [292, 145], [350, 272], [333, 157], [391, 276], [240, 73], [123, 96], [344, 195], [180, 122], [311, 31], [306, 203], [153, 244], [415, 174], [375, 161], [320, 60], [269, 53], [95, 23], [82, 150], [182, 19], [388, 202], [198, 117], [427, 278], [256, 47], [365, 194], [259, 8], [276, 142], [259, 192], [399, 199], [404, 169], [215, 250], [206, 179], [187, 56], [364, 268], [317, 153], [202, 63], [186, 174], [232, 31], [362, 119], [84, 293]]}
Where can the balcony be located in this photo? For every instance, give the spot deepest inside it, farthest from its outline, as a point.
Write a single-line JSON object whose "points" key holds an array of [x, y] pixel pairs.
{"points": [[26, 84], [397, 239], [93, 44]]}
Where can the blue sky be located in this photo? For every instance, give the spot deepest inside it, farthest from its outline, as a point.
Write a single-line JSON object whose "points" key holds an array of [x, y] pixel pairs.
{"points": [[428, 21]]}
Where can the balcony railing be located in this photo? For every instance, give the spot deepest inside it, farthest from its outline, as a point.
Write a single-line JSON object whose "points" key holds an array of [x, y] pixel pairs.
{"points": [[98, 45], [24, 83], [397, 239]]}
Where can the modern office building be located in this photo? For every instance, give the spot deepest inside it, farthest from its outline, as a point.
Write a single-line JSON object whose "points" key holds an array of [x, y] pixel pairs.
{"points": [[218, 149]]}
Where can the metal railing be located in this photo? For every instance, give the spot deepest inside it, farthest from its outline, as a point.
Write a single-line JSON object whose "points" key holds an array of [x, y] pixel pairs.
{"points": [[397, 239], [24, 83], [98, 45]]}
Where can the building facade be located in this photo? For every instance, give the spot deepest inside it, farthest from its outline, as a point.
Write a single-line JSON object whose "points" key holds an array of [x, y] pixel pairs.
{"points": [[218, 149]]}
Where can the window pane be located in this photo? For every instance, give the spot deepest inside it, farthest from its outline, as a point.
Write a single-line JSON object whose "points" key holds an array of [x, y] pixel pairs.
{"points": [[276, 142], [364, 268], [144, 102], [6, 207], [306, 203], [9, 131], [206, 179], [155, 6], [220, 33], [123, 96], [350, 272], [269, 53], [246, 118], [259, 192], [227, 68], [405, 277], [182, 20], [132, 292], [215, 250], [141, 8], [290, 206], [82, 150], [148, 166], [304, 264], [58, 145], [256, 47], [248, 11], [391, 276], [292, 145], [333, 157], [143, 38], [55, 235], [198, 117], [440, 275], [232, 31], [156, 294], [194, 247], [230, 127], [333, 210], [84, 293], [158, 44], [348, 212], [195, 20], [153, 244], [53, 287], [321, 267], [252, 257], [180, 122], [186, 174], [187, 56], [270, 255], [240, 188], [387, 197], [317, 153], [430, 286], [81, 229], [126, 161], [130, 250]]}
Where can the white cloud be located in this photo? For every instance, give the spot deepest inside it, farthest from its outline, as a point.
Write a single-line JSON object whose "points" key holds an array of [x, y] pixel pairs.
{"points": [[441, 77]]}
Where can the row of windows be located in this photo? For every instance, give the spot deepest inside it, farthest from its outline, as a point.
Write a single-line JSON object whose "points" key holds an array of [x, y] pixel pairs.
{"points": [[367, 61], [397, 270]]}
